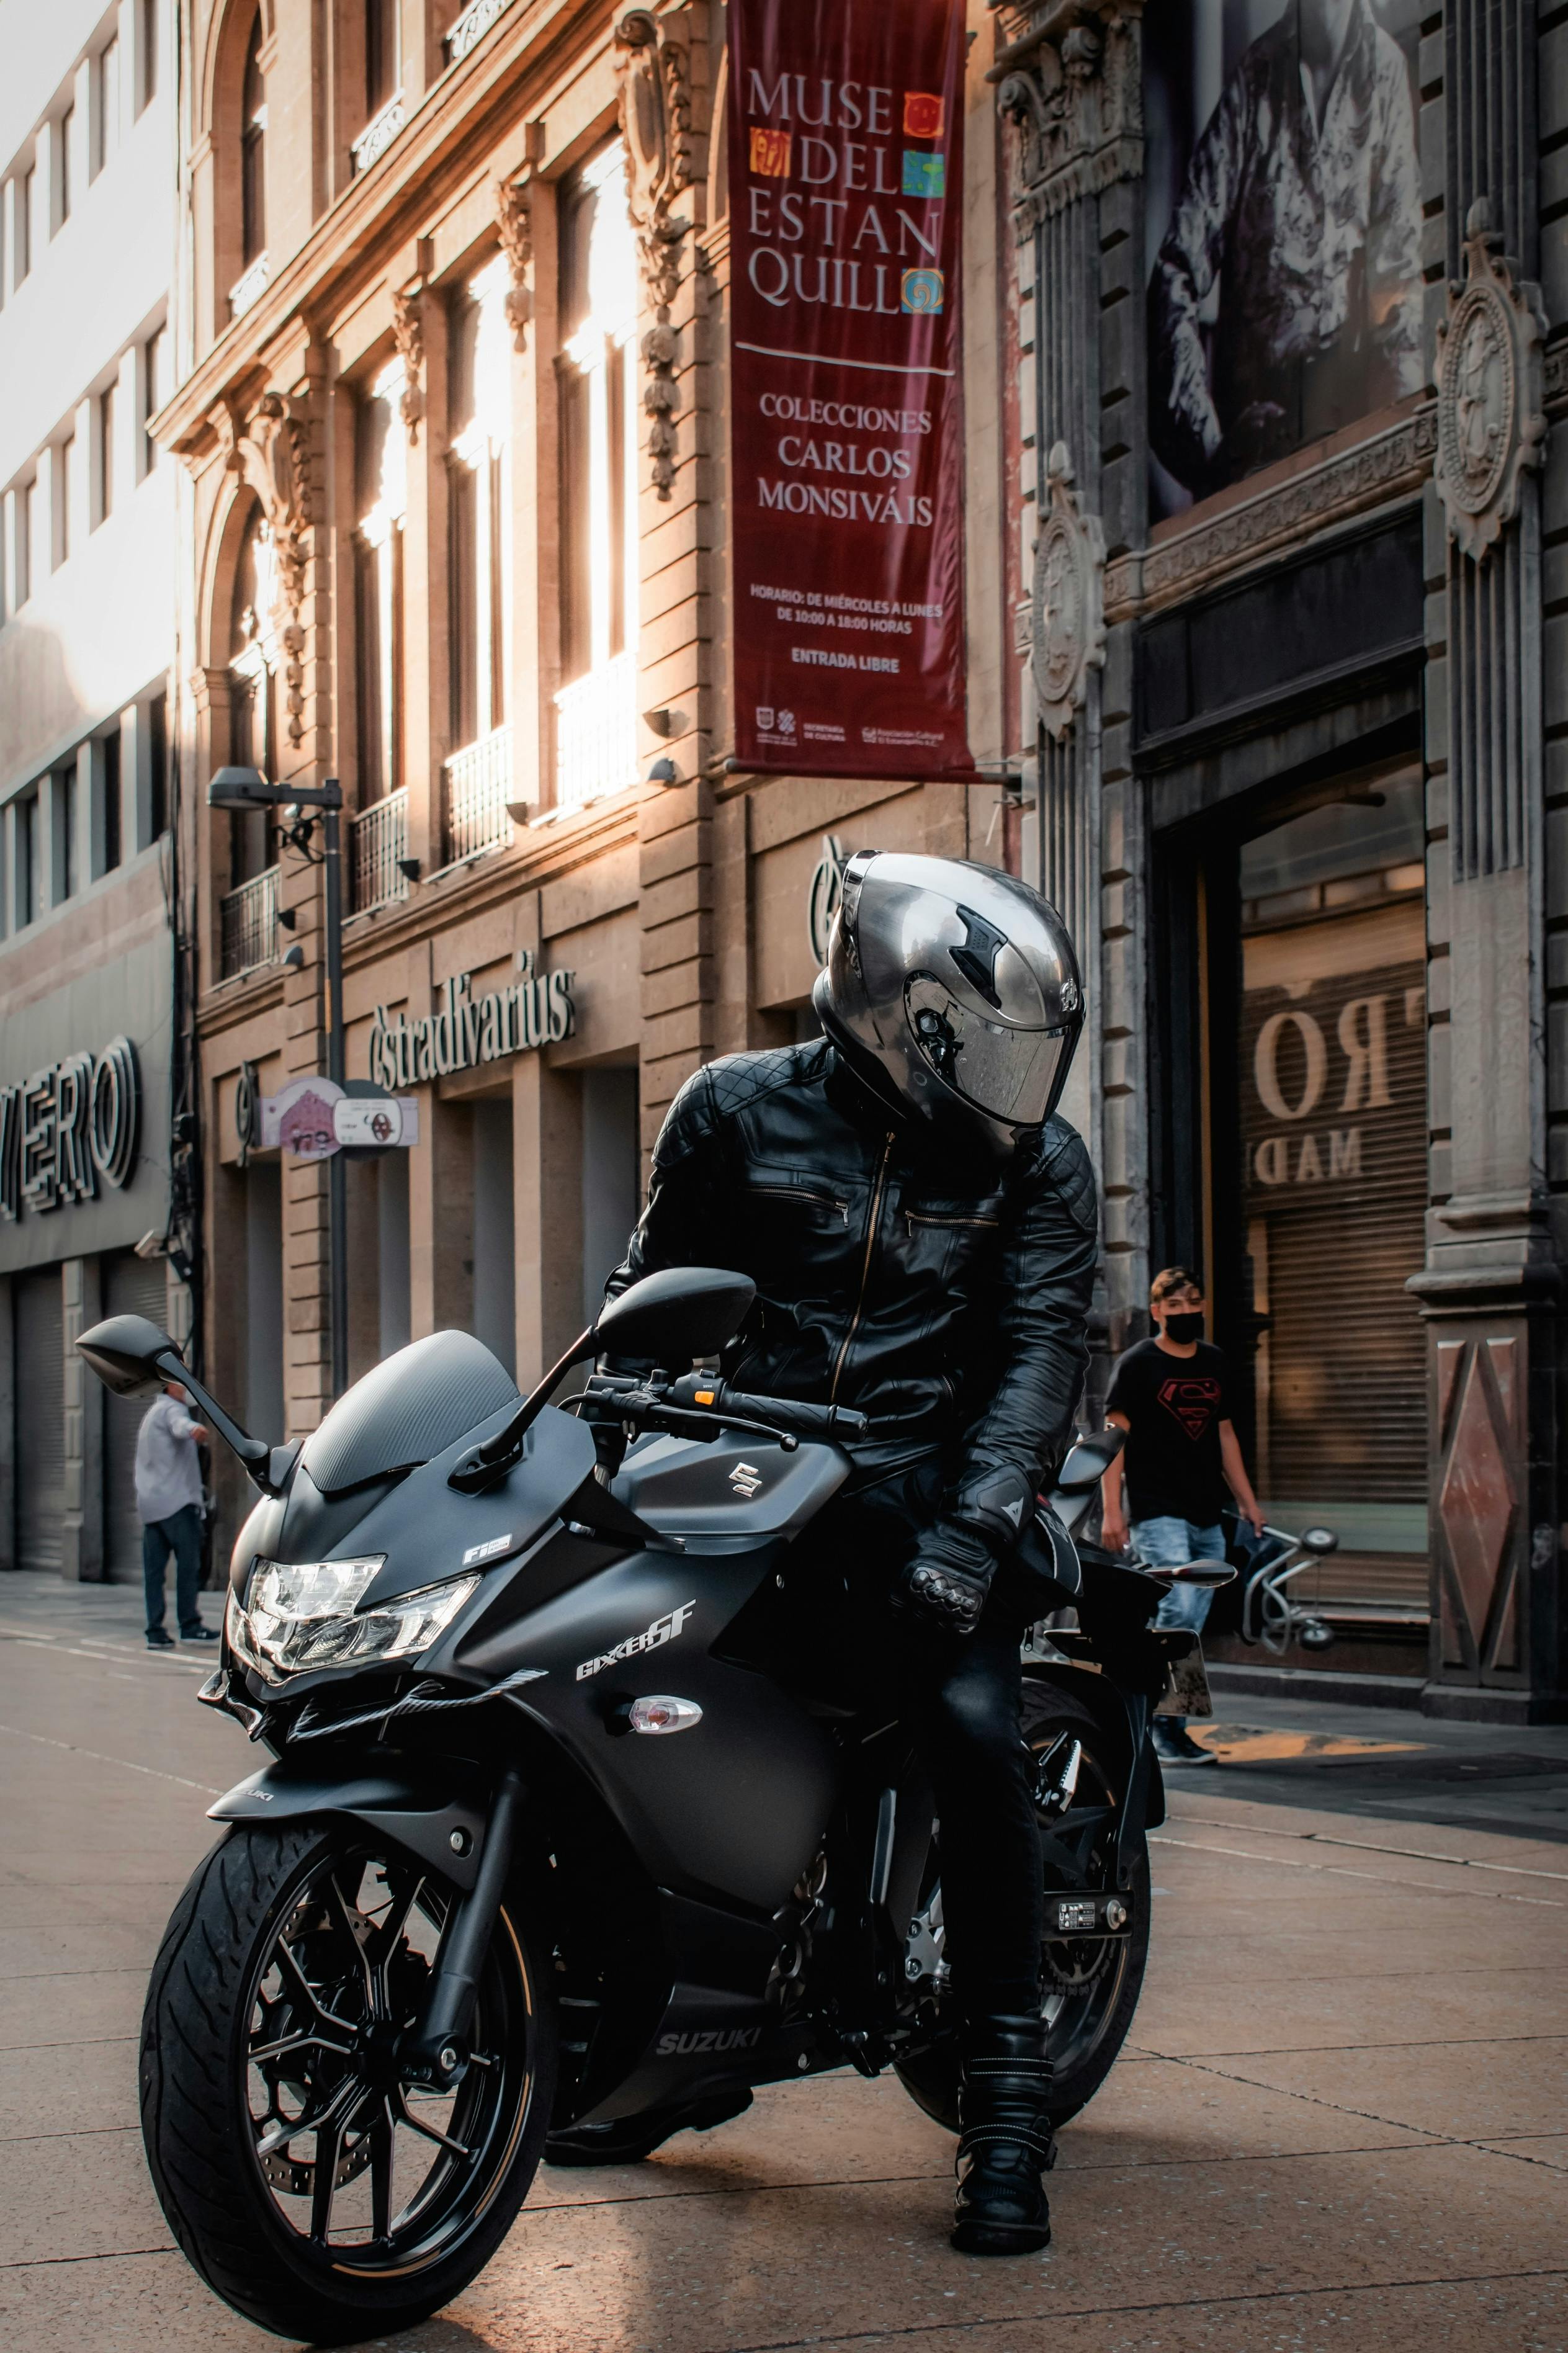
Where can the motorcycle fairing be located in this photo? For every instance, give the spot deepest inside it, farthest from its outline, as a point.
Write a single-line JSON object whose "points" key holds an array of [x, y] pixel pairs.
{"points": [[729, 1487], [421, 1804]]}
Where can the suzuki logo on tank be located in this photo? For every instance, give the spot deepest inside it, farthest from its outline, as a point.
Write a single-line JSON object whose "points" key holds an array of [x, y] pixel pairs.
{"points": [[69, 1128]]}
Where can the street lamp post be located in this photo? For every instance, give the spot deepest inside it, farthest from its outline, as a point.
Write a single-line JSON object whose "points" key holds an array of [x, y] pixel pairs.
{"points": [[248, 789]]}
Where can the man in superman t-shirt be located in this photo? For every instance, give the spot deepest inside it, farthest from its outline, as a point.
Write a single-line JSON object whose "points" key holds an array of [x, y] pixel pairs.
{"points": [[1169, 1394]]}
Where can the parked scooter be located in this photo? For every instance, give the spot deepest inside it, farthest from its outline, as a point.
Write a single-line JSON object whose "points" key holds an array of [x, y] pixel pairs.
{"points": [[548, 1838]]}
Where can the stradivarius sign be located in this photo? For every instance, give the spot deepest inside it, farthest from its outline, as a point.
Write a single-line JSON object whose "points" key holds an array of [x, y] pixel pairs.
{"points": [[535, 1010]]}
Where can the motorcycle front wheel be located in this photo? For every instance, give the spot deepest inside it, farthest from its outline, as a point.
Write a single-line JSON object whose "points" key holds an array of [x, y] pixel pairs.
{"points": [[316, 2188], [1091, 1985]]}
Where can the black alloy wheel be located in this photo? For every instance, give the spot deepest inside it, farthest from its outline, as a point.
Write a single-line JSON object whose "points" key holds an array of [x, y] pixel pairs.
{"points": [[1090, 1984], [314, 2185]]}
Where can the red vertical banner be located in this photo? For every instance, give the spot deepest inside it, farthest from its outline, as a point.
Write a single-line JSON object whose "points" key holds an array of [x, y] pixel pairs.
{"points": [[846, 130]]}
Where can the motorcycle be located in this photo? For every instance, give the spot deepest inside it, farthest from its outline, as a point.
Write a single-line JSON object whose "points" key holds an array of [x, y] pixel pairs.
{"points": [[551, 1835]]}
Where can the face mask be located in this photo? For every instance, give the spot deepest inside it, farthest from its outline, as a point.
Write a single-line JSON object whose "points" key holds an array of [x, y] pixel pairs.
{"points": [[1183, 1328]]}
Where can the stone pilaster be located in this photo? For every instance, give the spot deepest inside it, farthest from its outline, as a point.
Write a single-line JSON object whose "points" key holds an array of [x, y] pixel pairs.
{"points": [[81, 1530], [1491, 1286], [1068, 78]]}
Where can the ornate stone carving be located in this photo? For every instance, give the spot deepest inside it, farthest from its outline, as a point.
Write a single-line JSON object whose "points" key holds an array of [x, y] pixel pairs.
{"points": [[1068, 636], [656, 123], [271, 455], [514, 219], [1077, 101], [1395, 461], [408, 334], [1491, 397]]}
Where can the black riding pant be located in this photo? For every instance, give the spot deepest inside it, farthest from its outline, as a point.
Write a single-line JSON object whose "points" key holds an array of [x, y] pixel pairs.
{"points": [[960, 1698]]}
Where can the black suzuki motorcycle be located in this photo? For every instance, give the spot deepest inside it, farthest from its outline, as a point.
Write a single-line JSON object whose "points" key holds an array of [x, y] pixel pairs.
{"points": [[555, 1833]]}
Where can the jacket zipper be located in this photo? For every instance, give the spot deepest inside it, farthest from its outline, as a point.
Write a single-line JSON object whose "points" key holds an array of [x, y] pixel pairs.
{"points": [[865, 1265], [919, 1218], [798, 1193]]}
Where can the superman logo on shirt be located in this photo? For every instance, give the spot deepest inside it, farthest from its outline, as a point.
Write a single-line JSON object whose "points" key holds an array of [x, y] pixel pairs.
{"points": [[1192, 1399]]}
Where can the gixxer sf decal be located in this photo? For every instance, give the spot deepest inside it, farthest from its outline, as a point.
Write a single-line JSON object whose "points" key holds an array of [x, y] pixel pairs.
{"points": [[653, 1638]]}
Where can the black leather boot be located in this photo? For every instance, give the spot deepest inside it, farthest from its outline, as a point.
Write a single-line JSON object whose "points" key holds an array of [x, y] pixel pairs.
{"points": [[1005, 2144]]}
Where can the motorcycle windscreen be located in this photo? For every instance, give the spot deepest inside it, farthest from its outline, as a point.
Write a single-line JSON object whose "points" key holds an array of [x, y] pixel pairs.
{"points": [[415, 1404]]}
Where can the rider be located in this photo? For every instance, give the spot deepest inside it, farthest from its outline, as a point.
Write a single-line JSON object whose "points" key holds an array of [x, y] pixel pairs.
{"points": [[921, 1231]]}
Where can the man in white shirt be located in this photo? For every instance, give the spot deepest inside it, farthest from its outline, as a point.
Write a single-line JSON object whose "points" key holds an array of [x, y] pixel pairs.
{"points": [[169, 1506]]}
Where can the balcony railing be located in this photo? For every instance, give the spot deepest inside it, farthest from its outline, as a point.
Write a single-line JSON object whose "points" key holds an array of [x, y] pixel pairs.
{"points": [[249, 924], [472, 26], [378, 838], [595, 734], [478, 786], [379, 133], [245, 289]]}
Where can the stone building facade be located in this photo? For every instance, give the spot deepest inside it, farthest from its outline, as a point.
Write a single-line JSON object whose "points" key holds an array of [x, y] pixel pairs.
{"points": [[455, 424], [1294, 486]]}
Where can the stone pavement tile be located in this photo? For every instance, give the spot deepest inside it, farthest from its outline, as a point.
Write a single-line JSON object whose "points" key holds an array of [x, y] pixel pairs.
{"points": [[1544, 2148], [142, 1905], [81, 2194], [1194, 1814], [74, 2087], [786, 2267], [34, 1952], [1324, 2014], [80, 1861], [58, 2011], [1527, 2316], [1277, 1953], [1468, 2090], [1160, 2112], [147, 2303]]}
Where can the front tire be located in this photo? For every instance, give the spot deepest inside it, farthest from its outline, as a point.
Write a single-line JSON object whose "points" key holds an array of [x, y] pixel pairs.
{"points": [[1092, 1988], [315, 2189]]}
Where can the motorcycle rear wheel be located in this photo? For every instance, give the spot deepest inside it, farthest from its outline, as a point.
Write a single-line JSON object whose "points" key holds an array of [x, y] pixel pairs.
{"points": [[315, 2188], [1092, 1988]]}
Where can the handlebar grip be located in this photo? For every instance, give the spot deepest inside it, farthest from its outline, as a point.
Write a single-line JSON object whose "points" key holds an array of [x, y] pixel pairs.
{"points": [[793, 1414]]}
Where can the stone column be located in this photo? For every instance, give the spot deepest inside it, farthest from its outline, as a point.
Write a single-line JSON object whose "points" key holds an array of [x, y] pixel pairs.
{"points": [[1068, 80], [7, 1427], [1492, 1286], [81, 1533], [547, 1198]]}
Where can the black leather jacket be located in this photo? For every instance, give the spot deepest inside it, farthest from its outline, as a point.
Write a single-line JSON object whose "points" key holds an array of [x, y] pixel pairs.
{"points": [[941, 1293]]}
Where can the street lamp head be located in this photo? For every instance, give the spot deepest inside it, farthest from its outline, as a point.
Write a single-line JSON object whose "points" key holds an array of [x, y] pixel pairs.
{"points": [[242, 788]]}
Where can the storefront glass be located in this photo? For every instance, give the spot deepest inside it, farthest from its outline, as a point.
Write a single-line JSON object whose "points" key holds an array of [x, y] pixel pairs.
{"points": [[1333, 1144]]}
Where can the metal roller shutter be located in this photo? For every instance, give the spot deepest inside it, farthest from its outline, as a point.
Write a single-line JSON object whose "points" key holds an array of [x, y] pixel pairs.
{"points": [[40, 1420], [132, 1287]]}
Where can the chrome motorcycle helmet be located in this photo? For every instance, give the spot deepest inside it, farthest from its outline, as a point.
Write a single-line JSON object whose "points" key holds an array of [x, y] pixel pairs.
{"points": [[955, 988]]}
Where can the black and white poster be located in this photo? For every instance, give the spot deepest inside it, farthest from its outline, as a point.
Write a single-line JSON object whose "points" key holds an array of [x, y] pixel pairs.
{"points": [[1284, 227]]}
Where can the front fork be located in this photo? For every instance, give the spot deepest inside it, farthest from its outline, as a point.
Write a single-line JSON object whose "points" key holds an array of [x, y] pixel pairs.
{"points": [[436, 2049]]}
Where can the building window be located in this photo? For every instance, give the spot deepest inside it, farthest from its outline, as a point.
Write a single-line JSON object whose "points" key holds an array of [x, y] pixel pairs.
{"points": [[65, 143], [63, 468], [149, 82], [253, 737], [380, 53], [595, 738], [26, 185], [103, 456], [253, 153], [107, 845], [480, 381], [158, 759], [26, 857], [106, 104], [63, 850], [381, 499], [154, 392], [26, 505]]}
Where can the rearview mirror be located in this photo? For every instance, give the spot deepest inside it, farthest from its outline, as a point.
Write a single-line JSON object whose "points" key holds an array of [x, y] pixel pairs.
{"points": [[1087, 1461], [132, 1355], [679, 1313]]}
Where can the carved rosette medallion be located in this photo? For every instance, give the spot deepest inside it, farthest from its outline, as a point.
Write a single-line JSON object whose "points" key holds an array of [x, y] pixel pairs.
{"points": [[271, 455], [1491, 422], [656, 125], [1067, 610]]}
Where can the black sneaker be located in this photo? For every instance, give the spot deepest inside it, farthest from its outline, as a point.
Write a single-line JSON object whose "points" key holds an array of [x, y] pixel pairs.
{"points": [[158, 1640], [1174, 1744], [202, 1634]]}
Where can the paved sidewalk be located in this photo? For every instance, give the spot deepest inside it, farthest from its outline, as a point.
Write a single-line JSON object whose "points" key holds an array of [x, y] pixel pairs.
{"points": [[1344, 2117]]}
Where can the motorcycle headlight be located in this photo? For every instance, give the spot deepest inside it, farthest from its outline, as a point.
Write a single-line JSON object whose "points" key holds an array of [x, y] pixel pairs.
{"points": [[298, 1617]]}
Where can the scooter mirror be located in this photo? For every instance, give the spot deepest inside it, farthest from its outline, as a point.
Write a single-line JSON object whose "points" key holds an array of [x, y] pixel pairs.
{"points": [[1202, 1572], [675, 1315], [132, 1355]]}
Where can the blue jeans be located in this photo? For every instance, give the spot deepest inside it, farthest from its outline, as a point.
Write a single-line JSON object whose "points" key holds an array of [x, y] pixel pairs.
{"points": [[180, 1534], [1167, 1543]]}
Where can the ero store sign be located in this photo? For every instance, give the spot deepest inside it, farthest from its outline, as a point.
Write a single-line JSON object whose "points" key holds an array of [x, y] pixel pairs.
{"points": [[69, 1128], [536, 1010]]}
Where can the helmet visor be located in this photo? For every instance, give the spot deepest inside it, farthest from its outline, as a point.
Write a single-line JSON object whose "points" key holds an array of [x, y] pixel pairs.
{"points": [[1011, 1075]]}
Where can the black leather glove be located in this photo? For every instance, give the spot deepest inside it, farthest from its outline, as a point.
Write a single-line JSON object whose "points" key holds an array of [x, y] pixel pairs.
{"points": [[946, 1582]]}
